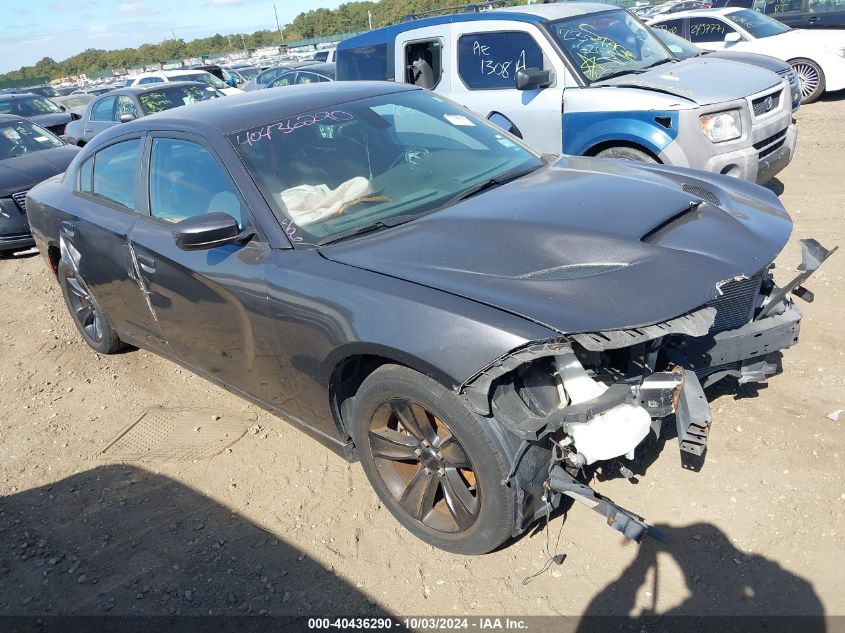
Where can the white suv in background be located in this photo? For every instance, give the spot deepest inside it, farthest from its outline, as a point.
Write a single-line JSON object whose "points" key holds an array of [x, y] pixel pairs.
{"points": [[181, 75]]}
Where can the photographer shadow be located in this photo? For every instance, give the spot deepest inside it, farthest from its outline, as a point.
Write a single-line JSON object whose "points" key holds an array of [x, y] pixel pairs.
{"points": [[120, 540]]}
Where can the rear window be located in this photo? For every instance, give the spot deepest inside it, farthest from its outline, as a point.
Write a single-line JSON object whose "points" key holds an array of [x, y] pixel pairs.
{"points": [[169, 97], [366, 62]]}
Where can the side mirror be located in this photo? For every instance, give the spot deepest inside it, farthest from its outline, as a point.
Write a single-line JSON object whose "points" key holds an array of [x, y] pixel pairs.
{"points": [[206, 231], [126, 117], [733, 38], [532, 78], [63, 108]]}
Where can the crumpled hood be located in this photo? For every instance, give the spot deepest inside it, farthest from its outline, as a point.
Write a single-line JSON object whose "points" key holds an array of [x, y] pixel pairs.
{"points": [[586, 244], [700, 79], [21, 173]]}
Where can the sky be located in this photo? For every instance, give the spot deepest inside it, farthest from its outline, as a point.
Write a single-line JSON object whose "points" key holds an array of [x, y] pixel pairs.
{"points": [[33, 29]]}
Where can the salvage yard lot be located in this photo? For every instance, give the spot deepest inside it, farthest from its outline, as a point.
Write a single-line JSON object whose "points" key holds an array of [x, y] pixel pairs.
{"points": [[277, 524]]}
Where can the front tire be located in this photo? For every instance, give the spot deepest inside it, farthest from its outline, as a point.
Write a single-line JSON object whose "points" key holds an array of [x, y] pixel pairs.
{"points": [[810, 77], [88, 317], [431, 462]]}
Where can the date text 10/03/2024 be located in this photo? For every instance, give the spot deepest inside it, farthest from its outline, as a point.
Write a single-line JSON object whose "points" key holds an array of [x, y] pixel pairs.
{"points": [[422, 623]]}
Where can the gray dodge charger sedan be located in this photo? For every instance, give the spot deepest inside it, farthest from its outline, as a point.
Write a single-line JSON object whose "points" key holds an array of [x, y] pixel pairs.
{"points": [[416, 289]]}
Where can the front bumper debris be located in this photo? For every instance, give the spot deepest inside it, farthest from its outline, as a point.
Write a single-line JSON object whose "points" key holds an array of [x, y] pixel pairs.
{"points": [[586, 398]]}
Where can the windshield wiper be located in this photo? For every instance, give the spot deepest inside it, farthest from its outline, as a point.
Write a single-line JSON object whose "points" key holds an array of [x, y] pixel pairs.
{"points": [[620, 73], [501, 179], [658, 63], [367, 228]]}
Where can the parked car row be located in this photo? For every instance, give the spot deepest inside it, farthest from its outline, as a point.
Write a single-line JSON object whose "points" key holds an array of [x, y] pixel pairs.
{"points": [[817, 57]]}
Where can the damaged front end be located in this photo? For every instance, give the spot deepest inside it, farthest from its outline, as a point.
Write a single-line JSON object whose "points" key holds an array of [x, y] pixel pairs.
{"points": [[592, 398]]}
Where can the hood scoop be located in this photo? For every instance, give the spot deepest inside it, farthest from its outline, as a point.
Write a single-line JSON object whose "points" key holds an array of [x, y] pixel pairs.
{"points": [[688, 214], [569, 272]]}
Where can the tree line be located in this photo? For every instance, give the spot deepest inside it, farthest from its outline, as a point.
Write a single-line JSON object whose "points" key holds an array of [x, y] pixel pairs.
{"points": [[348, 17]]}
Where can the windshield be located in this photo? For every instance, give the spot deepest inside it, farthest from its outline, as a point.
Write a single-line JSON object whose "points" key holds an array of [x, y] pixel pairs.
{"points": [[28, 106], [607, 44], [169, 97], [681, 48], [206, 78], [386, 159], [757, 24], [24, 137]]}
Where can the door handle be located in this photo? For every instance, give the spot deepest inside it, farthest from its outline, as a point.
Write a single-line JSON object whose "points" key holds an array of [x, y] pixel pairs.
{"points": [[145, 263], [813, 18], [68, 228]]}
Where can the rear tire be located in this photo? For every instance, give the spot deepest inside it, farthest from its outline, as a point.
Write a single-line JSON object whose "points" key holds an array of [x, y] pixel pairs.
{"points": [[626, 153], [88, 317], [431, 462], [810, 78]]}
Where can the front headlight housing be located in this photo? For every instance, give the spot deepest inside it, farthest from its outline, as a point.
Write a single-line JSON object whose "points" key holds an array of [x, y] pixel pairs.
{"points": [[722, 126]]}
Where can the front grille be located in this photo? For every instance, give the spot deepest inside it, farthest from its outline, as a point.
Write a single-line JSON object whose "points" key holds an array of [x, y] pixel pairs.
{"points": [[20, 200], [771, 144], [765, 104], [735, 306], [702, 192]]}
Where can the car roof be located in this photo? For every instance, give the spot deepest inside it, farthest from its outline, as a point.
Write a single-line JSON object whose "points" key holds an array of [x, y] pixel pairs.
{"points": [[320, 68], [534, 14], [251, 109], [152, 87], [699, 12], [22, 95]]}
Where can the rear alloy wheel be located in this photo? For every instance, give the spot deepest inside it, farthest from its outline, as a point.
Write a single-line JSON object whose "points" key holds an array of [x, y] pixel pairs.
{"points": [[433, 465], [90, 320], [810, 77]]}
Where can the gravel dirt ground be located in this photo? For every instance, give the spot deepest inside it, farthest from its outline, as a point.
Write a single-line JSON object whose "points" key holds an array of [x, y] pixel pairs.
{"points": [[277, 524]]}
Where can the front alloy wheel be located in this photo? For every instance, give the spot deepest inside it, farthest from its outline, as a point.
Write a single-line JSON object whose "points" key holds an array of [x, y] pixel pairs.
{"points": [[436, 466], [424, 466], [810, 78]]}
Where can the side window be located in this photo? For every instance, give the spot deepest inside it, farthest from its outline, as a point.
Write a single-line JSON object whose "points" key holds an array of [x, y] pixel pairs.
{"points": [[671, 26], [125, 105], [424, 63], [490, 61], [285, 79], [103, 109], [708, 30], [366, 62], [151, 80], [269, 75], [86, 176], [307, 78], [822, 6], [187, 181], [115, 168]]}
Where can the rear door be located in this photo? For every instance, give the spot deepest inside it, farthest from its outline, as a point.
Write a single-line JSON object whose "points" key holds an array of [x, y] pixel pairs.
{"points": [[211, 304], [94, 237]]}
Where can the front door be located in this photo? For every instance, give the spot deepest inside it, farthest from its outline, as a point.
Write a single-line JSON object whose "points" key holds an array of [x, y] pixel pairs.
{"points": [[484, 60], [210, 304]]}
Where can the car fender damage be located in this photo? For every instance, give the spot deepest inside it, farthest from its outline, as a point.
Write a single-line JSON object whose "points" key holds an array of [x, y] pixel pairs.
{"points": [[590, 399]]}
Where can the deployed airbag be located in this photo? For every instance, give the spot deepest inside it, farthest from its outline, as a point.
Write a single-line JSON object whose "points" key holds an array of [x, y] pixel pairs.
{"points": [[308, 204]]}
